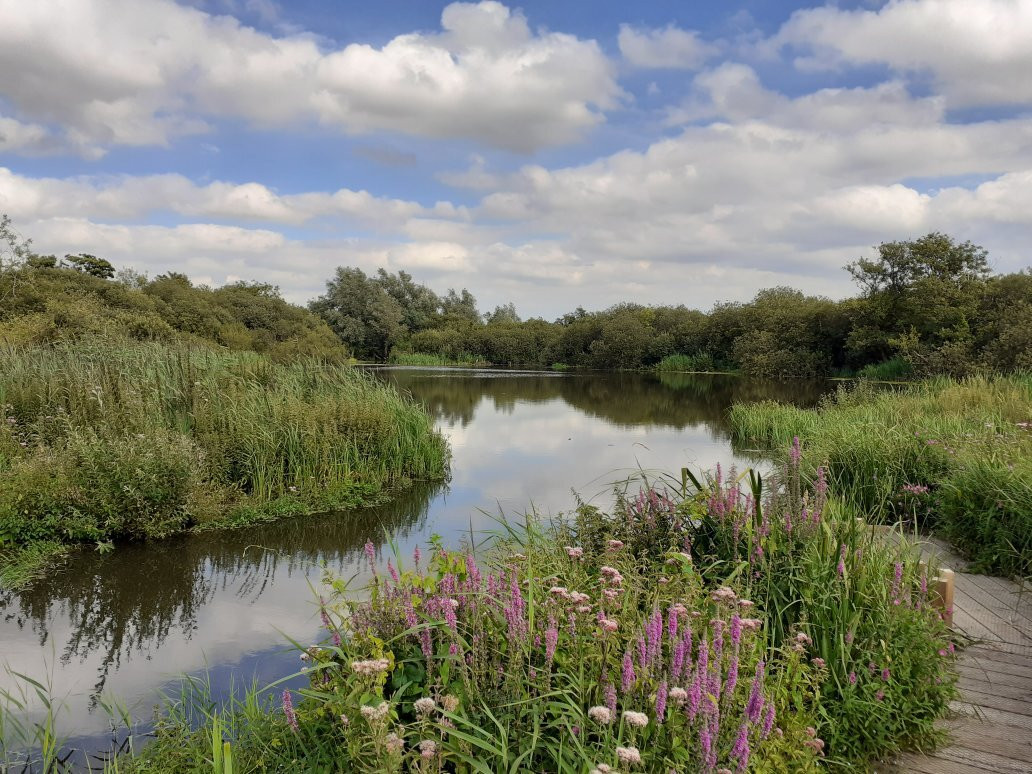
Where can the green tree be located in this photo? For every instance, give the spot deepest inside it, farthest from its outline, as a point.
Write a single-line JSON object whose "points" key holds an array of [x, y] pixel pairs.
{"points": [[91, 264], [919, 297]]}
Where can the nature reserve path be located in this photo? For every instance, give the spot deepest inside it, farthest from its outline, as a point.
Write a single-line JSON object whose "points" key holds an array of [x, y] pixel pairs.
{"points": [[992, 727]]}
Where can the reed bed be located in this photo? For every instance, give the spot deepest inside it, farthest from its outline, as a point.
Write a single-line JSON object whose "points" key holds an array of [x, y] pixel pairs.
{"points": [[950, 456], [111, 439]]}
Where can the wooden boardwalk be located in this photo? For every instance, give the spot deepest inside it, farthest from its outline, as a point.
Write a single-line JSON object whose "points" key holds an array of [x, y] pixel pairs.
{"points": [[992, 726]]}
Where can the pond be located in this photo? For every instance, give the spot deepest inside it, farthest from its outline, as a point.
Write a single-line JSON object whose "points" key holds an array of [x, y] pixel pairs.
{"points": [[129, 623]]}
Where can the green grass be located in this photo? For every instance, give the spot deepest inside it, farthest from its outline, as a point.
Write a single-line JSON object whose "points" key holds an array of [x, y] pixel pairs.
{"points": [[421, 359], [967, 442], [107, 439]]}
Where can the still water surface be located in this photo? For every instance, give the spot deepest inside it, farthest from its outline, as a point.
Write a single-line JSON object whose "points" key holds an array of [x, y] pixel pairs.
{"points": [[129, 623]]}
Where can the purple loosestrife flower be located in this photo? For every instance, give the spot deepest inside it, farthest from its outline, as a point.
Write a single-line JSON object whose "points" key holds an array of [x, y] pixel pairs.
{"points": [[768, 720], [672, 624], [473, 572], [551, 640], [841, 569], [654, 633], [627, 678], [740, 752], [426, 643], [852, 678], [393, 573], [411, 621], [515, 610], [755, 704], [370, 552], [642, 654], [288, 710], [796, 453], [416, 555], [897, 583], [736, 630], [677, 662], [610, 697], [661, 699], [714, 728], [732, 675], [886, 674], [705, 743]]}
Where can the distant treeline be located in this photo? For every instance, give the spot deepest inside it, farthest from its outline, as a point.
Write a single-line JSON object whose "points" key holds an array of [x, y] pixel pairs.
{"points": [[43, 299], [929, 305]]}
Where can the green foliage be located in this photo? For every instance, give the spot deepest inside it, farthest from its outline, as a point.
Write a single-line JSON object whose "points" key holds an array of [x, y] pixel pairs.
{"points": [[686, 363], [45, 302], [964, 445], [574, 640], [111, 439], [893, 370]]}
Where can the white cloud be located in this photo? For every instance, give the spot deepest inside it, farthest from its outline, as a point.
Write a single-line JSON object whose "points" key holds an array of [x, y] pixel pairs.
{"points": [[111, 73], [976, 51], [128, 197], [669, 47]]}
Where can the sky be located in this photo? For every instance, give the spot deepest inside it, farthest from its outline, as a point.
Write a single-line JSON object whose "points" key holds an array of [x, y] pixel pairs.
{"points": [[551, 154]]}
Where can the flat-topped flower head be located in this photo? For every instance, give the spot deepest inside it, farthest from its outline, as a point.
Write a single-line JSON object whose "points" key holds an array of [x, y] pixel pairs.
{"points": [[614, 545], [370, 667], [427, 748], [724, 595], [635, 719], [601, 715], [424, 706], [629, 756], [574, 552]]}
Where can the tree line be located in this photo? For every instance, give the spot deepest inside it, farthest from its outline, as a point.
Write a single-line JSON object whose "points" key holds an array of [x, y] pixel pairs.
{"points": [[925, 306]]}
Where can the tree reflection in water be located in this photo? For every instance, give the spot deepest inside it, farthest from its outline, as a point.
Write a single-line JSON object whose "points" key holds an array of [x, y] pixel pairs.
{"points": [[129, 602]]}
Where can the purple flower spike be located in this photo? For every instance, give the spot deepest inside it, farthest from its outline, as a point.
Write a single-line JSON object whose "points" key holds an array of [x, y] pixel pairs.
{"points": [[288, 710], [661, 700], [740, 752], [627, 678]]}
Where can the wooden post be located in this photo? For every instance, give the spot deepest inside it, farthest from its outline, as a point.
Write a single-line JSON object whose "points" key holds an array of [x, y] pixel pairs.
{"points": [[942, 594]]}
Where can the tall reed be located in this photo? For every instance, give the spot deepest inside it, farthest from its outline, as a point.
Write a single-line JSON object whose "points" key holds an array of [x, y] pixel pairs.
{"points": [[953, 456], [108, 438]]}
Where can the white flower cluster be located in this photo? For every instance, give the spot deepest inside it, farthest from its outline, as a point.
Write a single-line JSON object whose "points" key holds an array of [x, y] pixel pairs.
{"points": [[370, 667], [635, 719], [375, 714], [601, 715]]}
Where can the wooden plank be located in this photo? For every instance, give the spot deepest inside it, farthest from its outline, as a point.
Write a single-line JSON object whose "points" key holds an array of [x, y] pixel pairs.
{"points": [[982, 760], [1021, 723], [1003, 690], [985, 700], [1009, 596], [973, 737], [1000, 629], [932, 764], [992, 667], [988, 652], [991, 612], [980, 674]]}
